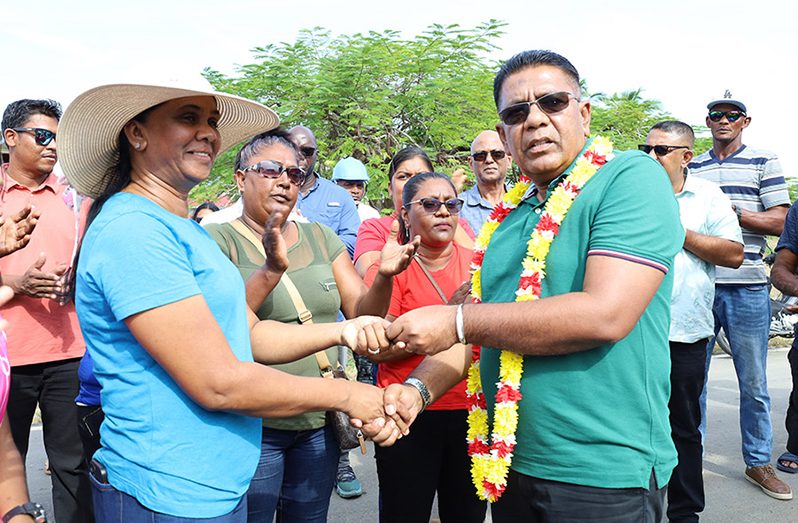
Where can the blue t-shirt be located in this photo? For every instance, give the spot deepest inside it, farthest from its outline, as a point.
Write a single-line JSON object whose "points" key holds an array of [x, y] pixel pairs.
{"points": [[330, 204], [158, 445], [789, 236]]}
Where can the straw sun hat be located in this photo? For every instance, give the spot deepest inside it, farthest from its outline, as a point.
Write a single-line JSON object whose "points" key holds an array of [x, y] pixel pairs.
{"points": [[88, 133]]}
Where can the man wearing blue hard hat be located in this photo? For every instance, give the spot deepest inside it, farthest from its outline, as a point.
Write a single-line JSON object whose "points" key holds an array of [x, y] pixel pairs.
{"points": [[351, 174]]}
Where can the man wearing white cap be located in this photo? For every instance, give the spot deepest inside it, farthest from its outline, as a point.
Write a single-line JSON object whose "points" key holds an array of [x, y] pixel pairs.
{"points": [[351, 174], [754, 182]]}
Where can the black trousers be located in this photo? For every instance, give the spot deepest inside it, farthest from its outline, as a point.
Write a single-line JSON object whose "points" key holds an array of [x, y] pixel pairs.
{"points": [[686, 487], [53, 386], [534, 500], [434, 457], [792, 409]]}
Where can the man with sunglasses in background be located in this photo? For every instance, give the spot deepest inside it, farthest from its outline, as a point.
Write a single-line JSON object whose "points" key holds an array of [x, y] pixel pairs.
{"points": [[754, 182], [490, 163], [712, 237], [592, 440], [44, 339], [321, 200]]}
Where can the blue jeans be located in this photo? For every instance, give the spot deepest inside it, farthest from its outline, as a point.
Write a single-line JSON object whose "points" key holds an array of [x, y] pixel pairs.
{"points": [[113, 506], [744, 313], [295, 476]]}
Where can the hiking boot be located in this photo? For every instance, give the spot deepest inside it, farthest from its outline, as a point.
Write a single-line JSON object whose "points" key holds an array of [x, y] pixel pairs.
{"points": [[346, 483], [765, 477]]}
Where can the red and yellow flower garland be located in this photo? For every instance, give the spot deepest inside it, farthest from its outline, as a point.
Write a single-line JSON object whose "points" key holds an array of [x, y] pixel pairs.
{"points": [[490, 461]]}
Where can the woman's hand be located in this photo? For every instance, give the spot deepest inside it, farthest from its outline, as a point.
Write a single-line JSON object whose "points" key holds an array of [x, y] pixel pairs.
{"points": [[368, 408], [461, 294], [365, 334], [274, 243], [394, 258]]}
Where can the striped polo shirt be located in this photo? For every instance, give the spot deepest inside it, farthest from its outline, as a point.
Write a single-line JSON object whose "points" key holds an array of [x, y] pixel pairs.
{"points": [[753, 180]]}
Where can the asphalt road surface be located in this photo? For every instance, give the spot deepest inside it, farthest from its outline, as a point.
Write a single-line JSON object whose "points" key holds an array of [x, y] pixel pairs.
{"points": [[730, 498]]}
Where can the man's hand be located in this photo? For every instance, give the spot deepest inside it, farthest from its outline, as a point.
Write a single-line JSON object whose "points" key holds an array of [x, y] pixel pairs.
{"points": [[274, 243], [395, 258], [400, 400], [39, 284], [427, 330], [15, 230], [461, 294], [365, 334]]}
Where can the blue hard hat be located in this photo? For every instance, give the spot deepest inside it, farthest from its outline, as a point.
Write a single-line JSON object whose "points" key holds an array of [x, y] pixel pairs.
{"points": [[350, 169]]}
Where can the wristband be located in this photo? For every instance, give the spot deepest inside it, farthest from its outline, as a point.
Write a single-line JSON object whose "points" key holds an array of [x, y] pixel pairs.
{"points": [[33, 510], [458, 325], [416, 383]]}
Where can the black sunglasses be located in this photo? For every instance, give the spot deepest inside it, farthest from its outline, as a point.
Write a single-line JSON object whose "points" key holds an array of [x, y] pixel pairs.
{"points": [[272, 169], [660, 150], [307, 152], [42, 136], [496, 154], [549, 104], [732, 116], [432, 205]]}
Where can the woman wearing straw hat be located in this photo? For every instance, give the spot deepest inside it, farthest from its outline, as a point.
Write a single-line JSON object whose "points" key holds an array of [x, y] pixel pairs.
{"points": [[164, 312]]}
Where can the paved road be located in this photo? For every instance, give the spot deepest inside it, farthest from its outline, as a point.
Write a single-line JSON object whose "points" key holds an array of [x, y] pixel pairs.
{"points": [[729, 497]]}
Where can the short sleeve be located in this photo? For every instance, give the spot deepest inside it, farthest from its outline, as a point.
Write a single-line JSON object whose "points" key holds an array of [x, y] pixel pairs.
{"points": [[637, 218], [721, 218], [371, 236], [150, 268], [332, 243], [772, 185], [789, 236]]}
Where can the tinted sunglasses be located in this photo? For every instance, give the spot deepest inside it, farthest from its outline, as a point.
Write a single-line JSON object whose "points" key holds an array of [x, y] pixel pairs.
{"points": [[732, 116], [273, 170], [481, 156], [431, 205], [549, 104], [42, 136], [660, 150], [307, 152]]}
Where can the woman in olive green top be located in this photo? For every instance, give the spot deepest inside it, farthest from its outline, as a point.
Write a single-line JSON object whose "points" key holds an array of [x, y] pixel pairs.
{"points": [[299, 455]]}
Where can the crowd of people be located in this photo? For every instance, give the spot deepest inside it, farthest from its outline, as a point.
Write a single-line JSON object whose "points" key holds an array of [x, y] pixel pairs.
{"points": [[188, 362]]}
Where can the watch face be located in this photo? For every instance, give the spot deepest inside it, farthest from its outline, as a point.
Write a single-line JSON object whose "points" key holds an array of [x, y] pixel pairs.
{"points": [[37, 511]]}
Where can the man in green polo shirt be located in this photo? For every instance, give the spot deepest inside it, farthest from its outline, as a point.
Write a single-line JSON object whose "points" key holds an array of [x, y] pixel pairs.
{"points": [[593, 437]]}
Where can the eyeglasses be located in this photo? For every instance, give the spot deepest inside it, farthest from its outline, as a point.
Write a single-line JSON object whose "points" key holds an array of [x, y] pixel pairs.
{"points": [[731, 116], [42, 136], [307, 152], [431, 205], [273, 170], [481, 156], [550, 104], [660, 150]]}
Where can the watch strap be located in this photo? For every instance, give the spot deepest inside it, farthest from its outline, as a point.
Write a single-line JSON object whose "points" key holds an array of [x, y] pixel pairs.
{"points": [[34, 510]]}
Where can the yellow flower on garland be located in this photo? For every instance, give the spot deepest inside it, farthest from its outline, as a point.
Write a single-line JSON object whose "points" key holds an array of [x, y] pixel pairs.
{"points": [[537, 247]]}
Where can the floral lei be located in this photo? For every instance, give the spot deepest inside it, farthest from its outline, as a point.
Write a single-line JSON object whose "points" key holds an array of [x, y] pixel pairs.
{"points": [[490, 461]]}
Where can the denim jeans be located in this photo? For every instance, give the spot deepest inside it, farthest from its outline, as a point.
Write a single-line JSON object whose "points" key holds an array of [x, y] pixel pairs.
{"points": [[113, 506], [744, 313], [295, 476]]}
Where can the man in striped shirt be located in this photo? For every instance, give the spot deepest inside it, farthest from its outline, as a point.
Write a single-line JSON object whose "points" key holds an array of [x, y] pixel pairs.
{"points": [[754, 182]]}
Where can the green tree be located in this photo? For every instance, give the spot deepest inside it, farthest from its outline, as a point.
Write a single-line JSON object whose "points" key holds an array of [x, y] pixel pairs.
{"points": [[369, 94], [626, 117]]}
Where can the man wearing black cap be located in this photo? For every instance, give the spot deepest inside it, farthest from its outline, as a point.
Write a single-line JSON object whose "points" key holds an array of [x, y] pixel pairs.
{"points": [[754, 182]]}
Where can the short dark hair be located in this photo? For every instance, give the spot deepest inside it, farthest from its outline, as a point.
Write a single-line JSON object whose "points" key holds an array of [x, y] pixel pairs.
{"points": [[531, 59], [408, 153], [17, 113], [275, 136], [676, 127], [201, 207]]}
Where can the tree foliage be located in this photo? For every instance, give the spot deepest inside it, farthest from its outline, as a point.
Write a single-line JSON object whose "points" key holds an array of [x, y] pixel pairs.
{"points": [[369, 94]]}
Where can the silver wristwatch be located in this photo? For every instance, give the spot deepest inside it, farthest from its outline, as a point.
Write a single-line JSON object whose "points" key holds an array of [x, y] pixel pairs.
{"points": [[416, 383]]}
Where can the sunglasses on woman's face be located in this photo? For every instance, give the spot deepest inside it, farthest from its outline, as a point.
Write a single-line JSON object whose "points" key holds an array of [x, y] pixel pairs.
{"points": [[731, 116], [42, 136], [273, 170], [431, 205], [550, 104]]}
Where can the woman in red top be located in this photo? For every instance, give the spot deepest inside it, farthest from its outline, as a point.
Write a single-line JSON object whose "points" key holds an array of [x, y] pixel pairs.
{"points": [[433, 458]]}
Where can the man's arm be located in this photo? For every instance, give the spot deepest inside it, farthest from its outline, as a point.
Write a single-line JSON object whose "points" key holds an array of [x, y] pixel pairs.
{"points": [[717, 251], [349, 224], [783, 273], [769, 222], [616, 292]]}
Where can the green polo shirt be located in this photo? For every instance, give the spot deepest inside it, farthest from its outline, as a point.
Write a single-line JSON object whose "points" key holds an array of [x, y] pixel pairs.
{"points": [[597, 417]]}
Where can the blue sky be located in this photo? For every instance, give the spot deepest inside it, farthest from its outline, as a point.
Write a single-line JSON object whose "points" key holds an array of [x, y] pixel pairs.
{"points": [[684, 53]]}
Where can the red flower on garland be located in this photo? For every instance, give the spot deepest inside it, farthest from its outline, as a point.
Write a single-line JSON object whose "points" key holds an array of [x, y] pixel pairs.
{"points": [[493, 491], [478, 257], [547, 223], [503, 449], [478, 447], [508, 393]]}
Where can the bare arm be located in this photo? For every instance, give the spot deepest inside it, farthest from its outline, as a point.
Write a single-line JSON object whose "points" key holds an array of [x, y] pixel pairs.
{"points": [[184, 338], [616, 292], [769, 222], [717, 251], [783, 272], [13, 488]]}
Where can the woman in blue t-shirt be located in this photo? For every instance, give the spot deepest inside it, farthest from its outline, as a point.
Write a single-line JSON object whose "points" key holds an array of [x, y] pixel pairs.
{"points": [[164, 314]]}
